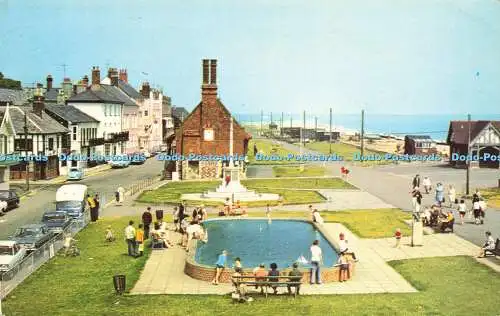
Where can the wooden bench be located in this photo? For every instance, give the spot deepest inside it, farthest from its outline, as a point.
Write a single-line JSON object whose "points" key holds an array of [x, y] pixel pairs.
{"points": [[238, 280], [494, 252]]}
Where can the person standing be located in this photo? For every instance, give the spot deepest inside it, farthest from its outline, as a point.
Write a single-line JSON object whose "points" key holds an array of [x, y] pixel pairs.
{"points": [[147, 219], [120, 195], [462, 210], [439, 194], [203, 213], [255, 150], [398, 235], [94, 212], [139, 241], [427, 185], [316, 261], [452, 195], [219, 266], [482, 208], [130, 238], [175, 216], [418, 200], [416, 181]]}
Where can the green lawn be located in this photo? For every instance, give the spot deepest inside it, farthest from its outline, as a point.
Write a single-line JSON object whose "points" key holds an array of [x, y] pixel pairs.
{"points": [[299, 171], [344, 150], [83, 286], [268, 147], [492, 196], [171, 192], [312, 183]]}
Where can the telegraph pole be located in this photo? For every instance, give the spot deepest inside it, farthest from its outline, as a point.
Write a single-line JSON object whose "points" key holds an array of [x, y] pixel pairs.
{"points": [[281, 127], [362, 137], [315, 127], [330, 151], [304, 129], [291, 120], [467, 177], [261, 119]]}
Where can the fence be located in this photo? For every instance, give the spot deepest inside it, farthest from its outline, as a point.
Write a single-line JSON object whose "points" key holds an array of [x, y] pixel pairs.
{"points": [[137, 187], [10, 279]]}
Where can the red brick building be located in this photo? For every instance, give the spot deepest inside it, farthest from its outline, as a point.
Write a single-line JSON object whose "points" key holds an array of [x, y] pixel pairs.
{"points": [[207, 131]]}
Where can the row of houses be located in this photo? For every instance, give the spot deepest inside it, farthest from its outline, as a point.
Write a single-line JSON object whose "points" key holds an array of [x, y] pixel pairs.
{"points": [[104, 116]]}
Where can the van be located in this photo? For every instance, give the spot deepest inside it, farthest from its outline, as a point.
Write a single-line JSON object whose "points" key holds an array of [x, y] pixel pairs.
{"points": [[70, 198]]}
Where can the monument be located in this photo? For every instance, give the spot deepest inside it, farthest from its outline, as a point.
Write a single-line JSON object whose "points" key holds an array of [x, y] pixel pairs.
{"points": [[231, 186]]}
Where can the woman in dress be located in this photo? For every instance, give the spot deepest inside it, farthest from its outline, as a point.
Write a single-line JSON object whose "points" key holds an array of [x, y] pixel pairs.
{"points": [[439, 193], [452, 195]]}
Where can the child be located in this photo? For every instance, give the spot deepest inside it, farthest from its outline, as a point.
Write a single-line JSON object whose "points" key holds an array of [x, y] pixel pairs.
{"points": [[398, 236], [462, 210], [268, 213], [237, 263], [139, 240], [344, 267], [476, 207], [109, 234]]}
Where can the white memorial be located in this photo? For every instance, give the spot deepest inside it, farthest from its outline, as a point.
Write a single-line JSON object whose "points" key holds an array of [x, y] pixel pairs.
{"points": [[417, 234], [231, 187]]}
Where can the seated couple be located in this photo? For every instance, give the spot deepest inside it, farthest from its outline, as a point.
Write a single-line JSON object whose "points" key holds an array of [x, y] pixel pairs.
{"points": [[160, 233], [261, 275]]}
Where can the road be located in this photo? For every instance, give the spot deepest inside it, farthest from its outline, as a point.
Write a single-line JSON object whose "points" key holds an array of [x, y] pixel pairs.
{"points": [[392, 184], [106, 183]]}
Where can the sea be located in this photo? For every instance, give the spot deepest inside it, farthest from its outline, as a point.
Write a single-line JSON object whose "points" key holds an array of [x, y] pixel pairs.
{"points": [[434, 125]]}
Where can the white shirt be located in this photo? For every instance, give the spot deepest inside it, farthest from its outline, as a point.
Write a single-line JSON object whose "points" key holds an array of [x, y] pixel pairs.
{"points": [[317, 218], [461, 207], [193, 229], [427, 181], [342, 245], [316, 253], [130, 232], [490, 243], [476, 205]]}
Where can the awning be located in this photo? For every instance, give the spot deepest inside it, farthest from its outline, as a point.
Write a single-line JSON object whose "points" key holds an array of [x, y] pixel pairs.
{"points": [[8, 163]]}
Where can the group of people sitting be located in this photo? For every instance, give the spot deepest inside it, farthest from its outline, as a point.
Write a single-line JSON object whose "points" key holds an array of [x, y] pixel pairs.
{"points": [[435, 217], [233, 210]]}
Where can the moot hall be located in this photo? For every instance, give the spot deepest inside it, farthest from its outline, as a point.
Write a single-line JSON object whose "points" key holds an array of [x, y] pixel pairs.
{"points": [[209, 129]]}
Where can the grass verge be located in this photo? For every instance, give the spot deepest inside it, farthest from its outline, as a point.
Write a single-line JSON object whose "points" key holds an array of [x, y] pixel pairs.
{"points": [[83, 286], [298, 171], [268, 147]]}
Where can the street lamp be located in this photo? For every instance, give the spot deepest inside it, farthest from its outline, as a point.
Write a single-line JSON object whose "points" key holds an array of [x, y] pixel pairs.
{"points": [[26, 151]]}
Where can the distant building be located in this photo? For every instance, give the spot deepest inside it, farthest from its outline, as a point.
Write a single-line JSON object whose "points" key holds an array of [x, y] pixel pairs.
{"points": [[324, 136], [12, 97], [484, 139], [419, 145], [209, 129]]}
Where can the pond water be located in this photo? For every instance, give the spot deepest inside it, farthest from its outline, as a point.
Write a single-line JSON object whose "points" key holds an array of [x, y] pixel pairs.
{"points": [[256, 241]]}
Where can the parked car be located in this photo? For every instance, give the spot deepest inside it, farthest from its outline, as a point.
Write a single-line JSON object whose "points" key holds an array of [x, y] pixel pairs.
{"points": [[9, 196], [32, 236], [3, 207], [56, 221], [75, 173], [137, 158], [123, 163], [145, 152], [70, 198], [11, 254]]}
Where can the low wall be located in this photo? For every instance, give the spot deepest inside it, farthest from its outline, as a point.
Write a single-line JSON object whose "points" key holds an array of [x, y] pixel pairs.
{"points": [[207, 273]]}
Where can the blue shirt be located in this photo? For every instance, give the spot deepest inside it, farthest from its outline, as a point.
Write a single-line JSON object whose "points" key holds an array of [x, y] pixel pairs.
{"points": [[222, 260]]}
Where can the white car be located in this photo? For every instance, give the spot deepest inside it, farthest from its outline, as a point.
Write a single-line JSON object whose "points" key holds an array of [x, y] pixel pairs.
{"points": [[3, 207], [11, 254]]}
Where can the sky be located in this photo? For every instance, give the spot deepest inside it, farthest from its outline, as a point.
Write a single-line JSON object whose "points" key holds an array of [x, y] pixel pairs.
{"points": [[384, 56]]}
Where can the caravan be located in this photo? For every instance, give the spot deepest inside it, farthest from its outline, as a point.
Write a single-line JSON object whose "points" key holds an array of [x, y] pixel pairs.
{"points": [[70, 198]]}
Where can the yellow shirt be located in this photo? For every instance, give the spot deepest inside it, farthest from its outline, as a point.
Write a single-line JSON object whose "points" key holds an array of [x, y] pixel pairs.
{"points": [[91, 201], [139, 235]]}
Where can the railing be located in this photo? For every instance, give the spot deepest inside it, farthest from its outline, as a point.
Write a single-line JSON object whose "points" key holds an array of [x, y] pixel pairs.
{"points": [[137, 187], [10, 279]]}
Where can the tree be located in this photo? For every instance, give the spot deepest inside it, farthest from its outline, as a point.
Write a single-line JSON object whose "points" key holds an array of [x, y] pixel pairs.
{"points": [[9, 83]]}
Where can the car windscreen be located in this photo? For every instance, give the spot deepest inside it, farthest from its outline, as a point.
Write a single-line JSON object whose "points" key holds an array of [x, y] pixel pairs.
{"points": [[4, 194], [74, 170], [5, 251], [23, 232], [68, 204], [54, 218]]}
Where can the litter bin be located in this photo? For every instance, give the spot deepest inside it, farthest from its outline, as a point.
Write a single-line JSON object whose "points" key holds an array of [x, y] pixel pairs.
{"points": [[159, 215], [119, 283]]}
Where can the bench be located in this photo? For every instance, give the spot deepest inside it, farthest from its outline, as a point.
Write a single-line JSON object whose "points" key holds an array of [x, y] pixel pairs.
{"points": [[447, 225], [238, 280], [494, 252]]}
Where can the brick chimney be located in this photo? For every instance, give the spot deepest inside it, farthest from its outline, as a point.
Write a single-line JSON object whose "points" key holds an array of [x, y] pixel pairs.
{"points": [[209, 85], [96, 75], [145, 89], [113, 76], [123, 76], [38, 105], [49, 82], [39, 85], [85, 81]]}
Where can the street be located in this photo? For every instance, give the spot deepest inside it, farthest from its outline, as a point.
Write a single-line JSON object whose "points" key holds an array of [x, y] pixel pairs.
{"points": [[105, 183]]}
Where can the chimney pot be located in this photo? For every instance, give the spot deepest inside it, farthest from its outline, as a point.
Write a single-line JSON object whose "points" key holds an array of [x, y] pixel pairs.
{"points": [[213, 71], [38, 105], [49, 82], [206, 70], [145, 90], [96, 75], [85, 81], [123, 75]]}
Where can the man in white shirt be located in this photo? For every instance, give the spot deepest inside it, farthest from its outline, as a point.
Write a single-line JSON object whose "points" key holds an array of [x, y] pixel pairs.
{"points": [[317, 217], [344, 248], [316, 261], [130, 237]]}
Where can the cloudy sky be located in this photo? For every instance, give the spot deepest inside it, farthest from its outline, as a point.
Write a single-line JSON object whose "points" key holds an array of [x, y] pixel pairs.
{"points": [[386, 56]]}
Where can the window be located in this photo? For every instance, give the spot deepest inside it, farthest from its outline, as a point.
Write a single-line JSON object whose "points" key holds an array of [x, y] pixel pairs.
{"points": [[51, 144], [116, 111], [146, 113], [106, 149], [21, 145], [208, 134]]}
